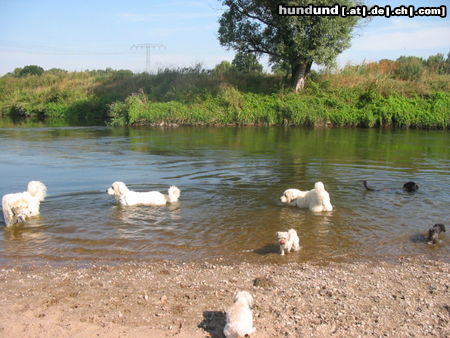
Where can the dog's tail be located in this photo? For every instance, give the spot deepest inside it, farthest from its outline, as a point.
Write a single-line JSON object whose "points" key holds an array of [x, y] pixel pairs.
{"points": [[37, 189], [319, 186], [367, 187], [292, 232], [174, 194]]}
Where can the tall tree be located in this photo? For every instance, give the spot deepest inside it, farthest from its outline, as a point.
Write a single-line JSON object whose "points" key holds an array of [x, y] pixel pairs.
{"points": [[255, 26]]}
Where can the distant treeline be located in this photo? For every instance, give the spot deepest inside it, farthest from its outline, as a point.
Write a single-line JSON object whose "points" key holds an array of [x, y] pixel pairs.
{"points": [[408, 92]]}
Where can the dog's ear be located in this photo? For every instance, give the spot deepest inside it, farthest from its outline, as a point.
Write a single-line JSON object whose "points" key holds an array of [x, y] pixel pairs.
{"points": [[289, 196], [235, 295], [250, 299]]}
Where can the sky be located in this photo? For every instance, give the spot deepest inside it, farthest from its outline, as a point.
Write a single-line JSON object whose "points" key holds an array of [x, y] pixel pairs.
{"points": [[99, 34]]}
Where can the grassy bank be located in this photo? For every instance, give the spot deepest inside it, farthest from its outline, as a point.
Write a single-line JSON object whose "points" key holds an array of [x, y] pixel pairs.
{"points": [[380, 94]]}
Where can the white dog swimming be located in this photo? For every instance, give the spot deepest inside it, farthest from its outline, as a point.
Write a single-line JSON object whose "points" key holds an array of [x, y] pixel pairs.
{"points": [[288, 240], [290, 195], [126, 196], [317, 199], [239, 316], [19, 206]]}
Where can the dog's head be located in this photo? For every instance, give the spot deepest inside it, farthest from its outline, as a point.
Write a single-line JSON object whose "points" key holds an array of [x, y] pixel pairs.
{"points": [[282, 237], [37, 189], [410, 186], [117, 189], [440, 226], [243, 296], [289, 195], [433, 233]]}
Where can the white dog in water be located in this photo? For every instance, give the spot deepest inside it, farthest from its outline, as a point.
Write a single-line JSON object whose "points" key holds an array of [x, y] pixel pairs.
{"points": [[288, 240], [19, 206], [239, 316], [126, 196], [317, 199], [290, 195]]}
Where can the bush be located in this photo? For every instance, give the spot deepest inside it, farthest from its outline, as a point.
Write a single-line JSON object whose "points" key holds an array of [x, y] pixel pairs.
{"points": [[409, 68]]}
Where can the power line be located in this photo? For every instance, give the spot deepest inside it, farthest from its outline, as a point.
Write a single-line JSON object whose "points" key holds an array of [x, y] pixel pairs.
{"points": [[148, 47]]}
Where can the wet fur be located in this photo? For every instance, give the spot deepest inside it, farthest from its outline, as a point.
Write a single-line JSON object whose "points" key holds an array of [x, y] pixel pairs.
{"points": [[288, 240], [19, 206], [409, 186], [316, 200], [125, 196], [433, 233]]}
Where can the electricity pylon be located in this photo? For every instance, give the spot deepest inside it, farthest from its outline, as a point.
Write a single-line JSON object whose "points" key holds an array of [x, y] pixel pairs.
{"points": [[148, 47]]}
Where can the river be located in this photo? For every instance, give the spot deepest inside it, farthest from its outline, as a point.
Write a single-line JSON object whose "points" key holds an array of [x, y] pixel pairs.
{"points": [[230, 181]]}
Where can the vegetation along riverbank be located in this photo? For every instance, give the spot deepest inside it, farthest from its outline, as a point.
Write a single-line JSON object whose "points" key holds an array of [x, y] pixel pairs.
{"points": [[409, 92]]}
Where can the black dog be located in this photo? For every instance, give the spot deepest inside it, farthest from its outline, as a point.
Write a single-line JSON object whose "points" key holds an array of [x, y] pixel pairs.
{"points": [[434, 232], [408, 187]]}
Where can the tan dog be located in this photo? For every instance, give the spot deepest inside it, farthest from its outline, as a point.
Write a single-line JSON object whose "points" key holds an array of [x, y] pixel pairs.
{"points": [[239, 316], [288, 240]]}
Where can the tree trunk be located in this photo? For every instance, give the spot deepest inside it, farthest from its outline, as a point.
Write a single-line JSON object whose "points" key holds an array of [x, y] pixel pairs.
{"points": [[299, 72]]}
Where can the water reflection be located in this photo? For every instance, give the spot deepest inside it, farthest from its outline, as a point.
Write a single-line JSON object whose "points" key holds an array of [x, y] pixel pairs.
{"points": [[231, 180]]}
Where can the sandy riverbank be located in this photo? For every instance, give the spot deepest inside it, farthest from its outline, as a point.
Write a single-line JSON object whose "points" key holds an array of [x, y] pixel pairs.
{"points": [[411, 298]]}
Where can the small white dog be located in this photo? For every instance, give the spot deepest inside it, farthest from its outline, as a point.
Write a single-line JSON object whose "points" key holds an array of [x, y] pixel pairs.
{"points": [[290, 195], [19, 206], [126, 196], [288, 240], [239, 316]]}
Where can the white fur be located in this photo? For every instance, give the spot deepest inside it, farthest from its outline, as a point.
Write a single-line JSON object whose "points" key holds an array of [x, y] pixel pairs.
{"points": [[126, 196], [290, 195], [19, 206], [239, 316], [316, 200], [288, 240]]}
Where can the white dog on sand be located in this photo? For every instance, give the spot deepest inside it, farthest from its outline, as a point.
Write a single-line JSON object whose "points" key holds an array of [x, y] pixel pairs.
{"points": [[288, 240], [19, 206], [316, 200], [126, 196], [239, 316]]}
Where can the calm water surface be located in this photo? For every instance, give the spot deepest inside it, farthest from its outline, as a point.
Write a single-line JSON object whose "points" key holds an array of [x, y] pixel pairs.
{"points": [[231, 180]]}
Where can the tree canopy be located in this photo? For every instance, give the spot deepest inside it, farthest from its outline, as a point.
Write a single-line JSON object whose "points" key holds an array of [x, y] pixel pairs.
{"points": [[246, 63], [255, 26], [28, 70]]}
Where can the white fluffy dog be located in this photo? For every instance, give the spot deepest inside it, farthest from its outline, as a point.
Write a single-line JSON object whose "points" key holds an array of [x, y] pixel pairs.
{"points": [[316, 200], [288, 240], [126, 196], [290, 195], [239, 316], [19, 206]]}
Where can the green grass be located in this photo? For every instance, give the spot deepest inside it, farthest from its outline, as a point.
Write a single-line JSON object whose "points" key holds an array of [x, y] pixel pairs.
{"points": [[373, 95]]}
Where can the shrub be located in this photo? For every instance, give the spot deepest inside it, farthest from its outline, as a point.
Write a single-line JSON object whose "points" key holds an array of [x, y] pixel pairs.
{"points": [[409, 68]]}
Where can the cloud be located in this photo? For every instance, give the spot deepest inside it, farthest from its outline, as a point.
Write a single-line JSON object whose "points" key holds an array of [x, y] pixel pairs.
{"points": [[401, 35]]}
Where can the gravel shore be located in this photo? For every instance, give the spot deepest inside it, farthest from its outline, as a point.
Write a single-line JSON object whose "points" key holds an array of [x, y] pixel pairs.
{"points": [[172, 299]]}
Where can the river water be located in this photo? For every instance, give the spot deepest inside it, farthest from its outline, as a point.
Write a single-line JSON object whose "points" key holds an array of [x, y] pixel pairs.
{"points": [[231, 180]]}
